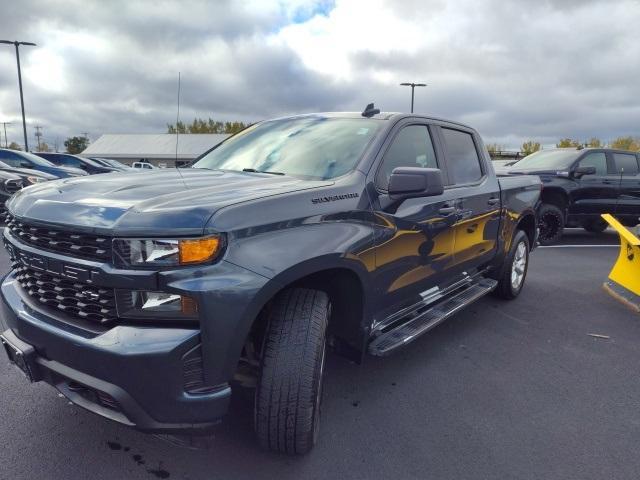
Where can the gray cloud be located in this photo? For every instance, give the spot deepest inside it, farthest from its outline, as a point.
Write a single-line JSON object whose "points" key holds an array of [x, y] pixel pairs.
{"points": [[515, 70]]}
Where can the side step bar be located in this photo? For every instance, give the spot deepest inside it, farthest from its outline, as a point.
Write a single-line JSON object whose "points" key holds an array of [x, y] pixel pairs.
{"points": [[424, 321]]}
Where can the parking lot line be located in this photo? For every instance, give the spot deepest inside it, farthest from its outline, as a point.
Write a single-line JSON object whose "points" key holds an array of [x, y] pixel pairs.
{"points": [[579, 246]]}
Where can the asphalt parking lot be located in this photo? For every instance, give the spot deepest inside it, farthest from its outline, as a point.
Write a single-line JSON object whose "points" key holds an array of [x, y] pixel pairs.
{"points": [[515, 390]]}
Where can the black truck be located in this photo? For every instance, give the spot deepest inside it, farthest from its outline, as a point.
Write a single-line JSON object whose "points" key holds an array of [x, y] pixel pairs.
{"points": [[581, 184], [145, 301]]}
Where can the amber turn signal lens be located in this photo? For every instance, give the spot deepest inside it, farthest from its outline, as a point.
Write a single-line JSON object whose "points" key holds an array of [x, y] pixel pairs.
{"points": [[198, 250]]}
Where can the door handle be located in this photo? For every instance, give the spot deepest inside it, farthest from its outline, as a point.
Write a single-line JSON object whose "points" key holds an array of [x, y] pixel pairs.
{"points": [[446, 210], [493, 201]]}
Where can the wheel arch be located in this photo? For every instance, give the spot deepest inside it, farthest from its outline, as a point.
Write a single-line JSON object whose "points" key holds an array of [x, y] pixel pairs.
{"points": [[345, 283], [555, 196], [528, 225]]}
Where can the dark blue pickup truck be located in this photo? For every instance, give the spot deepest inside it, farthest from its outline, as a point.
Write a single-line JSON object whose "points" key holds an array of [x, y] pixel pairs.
{"points": [[146, 300]]}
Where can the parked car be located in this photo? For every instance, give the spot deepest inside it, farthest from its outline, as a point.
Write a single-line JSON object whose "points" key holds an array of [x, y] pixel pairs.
{"points": [[582, 184], [109, 162], [74, 161], [146, 165], [28, 175], [15, 158], [355, 231], [10, 183]]}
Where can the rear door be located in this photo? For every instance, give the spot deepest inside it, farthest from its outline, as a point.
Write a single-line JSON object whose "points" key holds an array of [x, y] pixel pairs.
{"points": [[627, 175], [414, 243], [597, 193], [477, 196]]}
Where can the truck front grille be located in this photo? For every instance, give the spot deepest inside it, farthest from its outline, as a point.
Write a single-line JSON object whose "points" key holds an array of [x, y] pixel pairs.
{"points": [[76, 299], [92, 247]]}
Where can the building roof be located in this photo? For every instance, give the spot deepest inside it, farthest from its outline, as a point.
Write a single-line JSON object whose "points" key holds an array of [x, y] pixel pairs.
{"points": [[153, 146]]}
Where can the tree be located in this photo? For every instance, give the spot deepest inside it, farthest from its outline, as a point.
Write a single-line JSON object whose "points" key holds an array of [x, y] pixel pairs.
{"points": [[206, 126], [626, 143], [76, 144], [492, 148], [594, 143], [14, 146], [568, 143], [44, 147], [530, 147]]}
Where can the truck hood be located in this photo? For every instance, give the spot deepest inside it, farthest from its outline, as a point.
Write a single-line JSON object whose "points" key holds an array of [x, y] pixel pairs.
{"points": [[70, 170], [180, 200], [531, 171]]}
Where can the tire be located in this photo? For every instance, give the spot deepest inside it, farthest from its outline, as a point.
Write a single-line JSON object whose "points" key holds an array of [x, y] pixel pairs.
{"points": [[596, 226], [516, 259], [289, 390], [551, 223]]}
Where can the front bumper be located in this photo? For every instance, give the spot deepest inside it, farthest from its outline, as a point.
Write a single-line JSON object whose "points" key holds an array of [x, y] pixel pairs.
{"points": [[133, 375], [140, 367]]}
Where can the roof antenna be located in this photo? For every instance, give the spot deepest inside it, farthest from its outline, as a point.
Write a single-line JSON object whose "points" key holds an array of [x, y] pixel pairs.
{"points": [[370, 111], [178, 134]]}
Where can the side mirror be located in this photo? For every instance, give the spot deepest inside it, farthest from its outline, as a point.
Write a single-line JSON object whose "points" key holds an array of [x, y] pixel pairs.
{"points": [[415, 182], [580, 171]]}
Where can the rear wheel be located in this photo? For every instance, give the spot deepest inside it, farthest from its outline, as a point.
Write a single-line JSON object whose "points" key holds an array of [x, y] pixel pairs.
{"points": [[515, 267], [596, 226], [551, 223], [289, 391]]}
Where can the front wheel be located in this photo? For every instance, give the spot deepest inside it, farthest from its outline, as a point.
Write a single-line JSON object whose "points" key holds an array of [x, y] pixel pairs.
{"points": [[551, 223], [289, 390], [515, 267]]}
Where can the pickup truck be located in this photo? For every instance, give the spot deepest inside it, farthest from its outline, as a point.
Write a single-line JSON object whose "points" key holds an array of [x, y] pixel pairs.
{"points": [[582, 184], [146, 301]]}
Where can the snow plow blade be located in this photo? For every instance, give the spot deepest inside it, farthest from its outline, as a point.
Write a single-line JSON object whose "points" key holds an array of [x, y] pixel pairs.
{"points": [[624, 279]]}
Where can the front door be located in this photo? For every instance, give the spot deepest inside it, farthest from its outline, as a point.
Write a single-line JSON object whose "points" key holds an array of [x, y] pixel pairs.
{"points": [[415, 240]]}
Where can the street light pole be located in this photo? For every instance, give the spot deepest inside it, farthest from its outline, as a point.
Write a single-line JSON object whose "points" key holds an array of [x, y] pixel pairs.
{"points": [[413, 86], [24, 122], [6, 141]]}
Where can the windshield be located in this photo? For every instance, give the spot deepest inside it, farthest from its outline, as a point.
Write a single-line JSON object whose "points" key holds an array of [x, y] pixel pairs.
{"points": [[548, 159], [312, 147], [113, 163], [36, 159], [101, 161], [92, 162]]}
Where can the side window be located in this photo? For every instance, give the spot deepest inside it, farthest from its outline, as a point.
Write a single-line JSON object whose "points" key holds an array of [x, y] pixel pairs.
{"points": [[626, 161], [462, 157], [411, 147], [65, 160], [598, 160]]}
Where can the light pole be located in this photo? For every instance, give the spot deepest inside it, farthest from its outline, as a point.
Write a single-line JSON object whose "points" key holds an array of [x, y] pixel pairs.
{"points": [[413, 86], [24, 122], [6, 141]]}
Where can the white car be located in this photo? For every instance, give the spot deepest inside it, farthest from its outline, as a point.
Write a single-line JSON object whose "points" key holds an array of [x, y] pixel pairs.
{"points": [[142, 165]]}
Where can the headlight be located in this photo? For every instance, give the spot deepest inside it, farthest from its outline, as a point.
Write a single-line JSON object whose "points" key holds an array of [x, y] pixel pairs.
{"points": [[34, 180], [166, 252]]}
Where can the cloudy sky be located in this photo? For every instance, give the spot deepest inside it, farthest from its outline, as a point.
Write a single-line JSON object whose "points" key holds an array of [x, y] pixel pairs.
{"points": [[515, 70]]}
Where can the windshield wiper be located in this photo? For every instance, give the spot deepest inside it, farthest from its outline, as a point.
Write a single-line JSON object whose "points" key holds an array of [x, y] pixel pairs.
{"points": [[253, 170]]}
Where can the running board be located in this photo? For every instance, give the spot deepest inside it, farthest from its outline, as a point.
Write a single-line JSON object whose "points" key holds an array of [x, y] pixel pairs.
{"points": [[424, 321]]}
